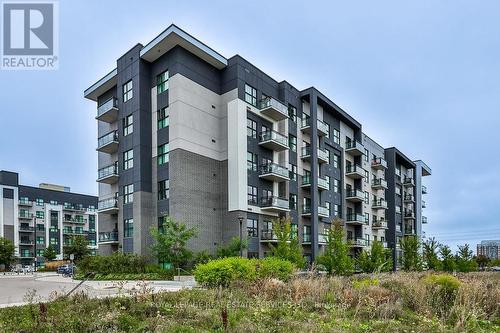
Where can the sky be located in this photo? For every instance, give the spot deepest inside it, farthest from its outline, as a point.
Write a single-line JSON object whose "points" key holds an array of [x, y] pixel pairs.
{"points": [[419, 75]]}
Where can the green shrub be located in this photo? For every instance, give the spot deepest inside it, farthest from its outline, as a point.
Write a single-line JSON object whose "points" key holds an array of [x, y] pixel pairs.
{"points": [[443, 289], [115, 263], [272, 267], [162, 275], [359, 284], [222, 272]]}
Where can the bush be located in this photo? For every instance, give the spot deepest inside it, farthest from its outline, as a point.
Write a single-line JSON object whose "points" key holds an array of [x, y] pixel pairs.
{"points": [[443, 289], [222, 272], [161, 275], [276, 268], [116, 263]]}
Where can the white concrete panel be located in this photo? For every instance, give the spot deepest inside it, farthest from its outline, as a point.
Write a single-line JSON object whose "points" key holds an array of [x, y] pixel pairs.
{"points": [[237, 150]]}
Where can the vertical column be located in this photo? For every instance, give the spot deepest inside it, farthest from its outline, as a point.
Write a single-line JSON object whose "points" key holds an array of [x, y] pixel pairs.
{"points": [[314, 174]]}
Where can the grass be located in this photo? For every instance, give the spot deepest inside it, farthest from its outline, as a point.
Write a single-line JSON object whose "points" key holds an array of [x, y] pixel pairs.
{"points": [[402, 302]]}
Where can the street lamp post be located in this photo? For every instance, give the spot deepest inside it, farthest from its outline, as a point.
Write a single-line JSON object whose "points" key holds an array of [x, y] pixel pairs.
{"points": [[241, 235]]}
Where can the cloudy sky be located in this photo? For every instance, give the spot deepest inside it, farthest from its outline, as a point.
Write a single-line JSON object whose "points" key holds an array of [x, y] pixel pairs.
{"points": [[419, 75]]}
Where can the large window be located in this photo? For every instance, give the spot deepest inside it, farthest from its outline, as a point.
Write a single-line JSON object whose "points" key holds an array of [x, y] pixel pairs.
{"points": [[251, 128], [163, 190], [367, 198], [39, 202], [328, 206], [128, 125], [128, 193], [336, 185], [127, 91], [163, 154], [40, 214], [162, 118], [292, 170], [327, 178], [252, 228], [336, 136], [366, 155], [128, 228], [128, 159], [40, 240], [250, 95], [336, 210], [252, 195], [162, 82], [292, 113], [336, 159], [293, 201], [251, 161], [292, 142]]}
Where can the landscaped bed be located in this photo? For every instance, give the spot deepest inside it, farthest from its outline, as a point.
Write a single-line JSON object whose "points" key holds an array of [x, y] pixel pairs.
{"points": [[401, 302]]}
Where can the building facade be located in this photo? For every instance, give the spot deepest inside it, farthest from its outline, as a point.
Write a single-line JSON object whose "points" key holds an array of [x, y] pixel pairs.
{"points": [[489, 248], [187, 133], [35, 217]]}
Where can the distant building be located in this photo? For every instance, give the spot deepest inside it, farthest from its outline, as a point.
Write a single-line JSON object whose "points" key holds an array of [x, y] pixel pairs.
{"points": [[35, 217], [489, 249]]}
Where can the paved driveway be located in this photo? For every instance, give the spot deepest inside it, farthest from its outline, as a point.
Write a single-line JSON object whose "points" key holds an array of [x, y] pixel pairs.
{"points": [[19, 289]]}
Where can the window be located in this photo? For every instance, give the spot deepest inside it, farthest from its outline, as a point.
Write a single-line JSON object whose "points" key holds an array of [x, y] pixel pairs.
{"points": [[292, 113], [336, 159], [327, 178], [40, 227], [127, 91], [398, 190], [292, 171], [163, 154], [39, 252], [252, 228], [336, 210], [267, 194], [367, 176], [128, 159], [250, 95], [163, 120], [40, 240], [163, 189], [329, 208], [40, 214], [39, 202], [306, 233], [251, 161], [53, 202], [251, 128], [336, 185], [128, 193], [128, 125], [367, 153], [336, 136], [294, 231], [293, 201], [367, 217], [53, 240], [398, 172], [292, 142], [367, 198], [162, 82], [252, 195], [327, 130], [128, 228]]}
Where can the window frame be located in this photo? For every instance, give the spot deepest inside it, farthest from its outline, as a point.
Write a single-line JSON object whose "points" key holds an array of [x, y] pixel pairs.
{"points": [[250, 95], [128, 228], [252, 195], [163, 154], [128, 194], [162, 120], [127, 91], [128, 159], [251, 128], [128, 124], [163, 189], [162, 82]]}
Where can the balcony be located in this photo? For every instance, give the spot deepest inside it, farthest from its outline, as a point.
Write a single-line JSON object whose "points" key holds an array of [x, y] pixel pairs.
{"points": [[267, 236], [274, 172], [408, 198], [26, 229], [356, 219], [409, 214], [108, 206], [354, 148], [354, 171], [408, 181], [108, 143], [25, 202], [73, 208], [379, 224], [322, 155], [26, 242], [321, 126], [274, 109], [274, 204], [74, 220], [379, 204], [108, 174], [354, 195], [424, 205], [25, 215], [108, 111], [322, 183], [358, 242], [424, 189], [306, 211], [306, 238], [323, 212], [424, 219], [27, 255], [409, 231], [273, 140], [379, 184], [108, 237], [379, 163]]}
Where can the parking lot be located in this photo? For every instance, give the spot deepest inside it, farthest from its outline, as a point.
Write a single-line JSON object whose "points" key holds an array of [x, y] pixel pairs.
{"points": [[19, 289]]}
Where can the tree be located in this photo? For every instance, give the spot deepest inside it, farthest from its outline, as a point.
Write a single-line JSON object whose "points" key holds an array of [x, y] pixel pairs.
{"points": [[431, 248], [378, 259], [7, 249], [79, 248], [170, 242], [287, 246], [50, 253], [411, 260], [465, 260], [482, 261], [232, 249], [336, 256], [447, 259]]}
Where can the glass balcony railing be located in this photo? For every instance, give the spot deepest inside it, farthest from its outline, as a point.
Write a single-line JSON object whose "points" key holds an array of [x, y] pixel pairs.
{"points": [[322, 127], [354, 145], [409, 197], [107, 139], [323, 155], [274, 168], [424, 219], [25, 215], [323, 183], [271, 103], [353, 168], [379, 203], [354, 193], [424, 189], [110, 104], [356, 218], [379, 182], [108, 236], [268, 235], [274, 136], [359, 242], [110, 170], [323, 211], [379, 162], [305, 122], [25, 202], [108, 203], [274, 202]]}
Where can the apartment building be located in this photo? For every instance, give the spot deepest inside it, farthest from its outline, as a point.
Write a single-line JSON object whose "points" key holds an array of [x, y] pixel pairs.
{"points": [[211, 141], [489, 248], [35, 217]]}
